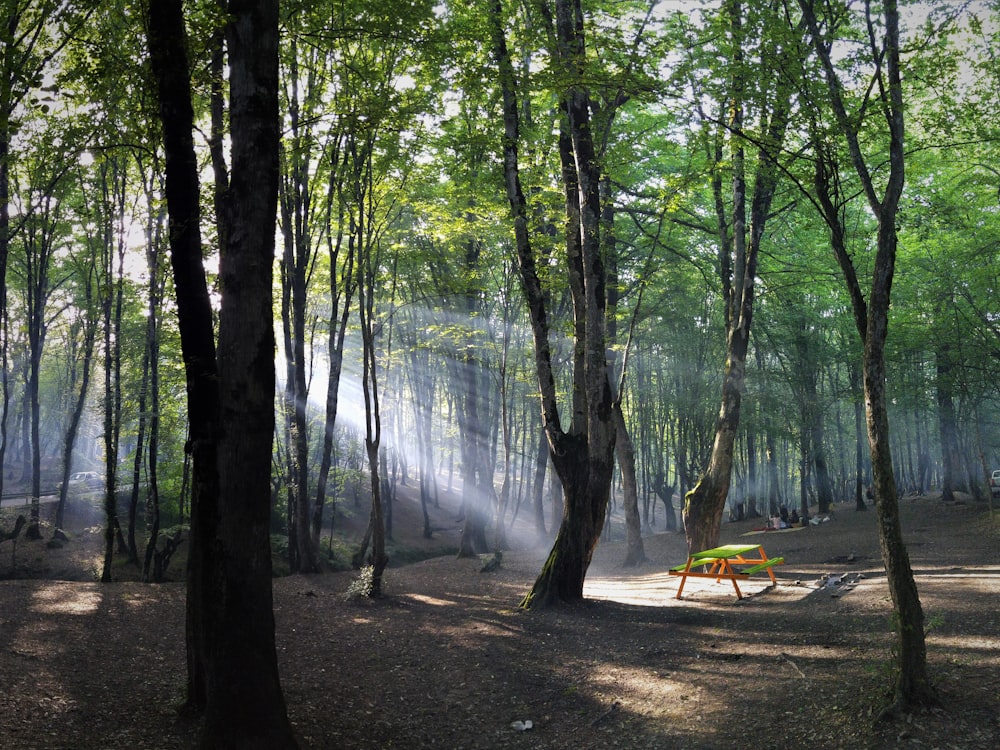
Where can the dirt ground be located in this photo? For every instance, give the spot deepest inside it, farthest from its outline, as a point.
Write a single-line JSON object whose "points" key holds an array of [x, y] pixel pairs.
{"points": [[446, 660]]}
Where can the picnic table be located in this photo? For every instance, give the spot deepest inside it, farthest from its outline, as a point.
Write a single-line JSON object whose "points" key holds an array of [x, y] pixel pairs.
{"points": [[731, 562]]}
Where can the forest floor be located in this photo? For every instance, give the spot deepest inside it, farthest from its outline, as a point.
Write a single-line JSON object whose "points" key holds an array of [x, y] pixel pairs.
{"points": [[447, 660]]}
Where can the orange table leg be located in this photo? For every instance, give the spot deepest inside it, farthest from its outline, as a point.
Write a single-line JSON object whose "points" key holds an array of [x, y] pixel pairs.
{"points": [[684, 577], [739, 594]]}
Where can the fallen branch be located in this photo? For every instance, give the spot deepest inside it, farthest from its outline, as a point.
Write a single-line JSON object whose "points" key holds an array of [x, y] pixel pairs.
{"points": [[615, 705], [795, 666]]}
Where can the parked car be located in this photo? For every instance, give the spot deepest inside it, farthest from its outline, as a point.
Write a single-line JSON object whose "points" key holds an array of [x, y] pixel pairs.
{"points": [[995, 483], [85, 481]]}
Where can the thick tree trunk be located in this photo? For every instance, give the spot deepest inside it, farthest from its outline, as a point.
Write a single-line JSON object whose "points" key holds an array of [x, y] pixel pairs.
{"points": [[232, 661], [562, 577], [704, 504], [245, 706]]}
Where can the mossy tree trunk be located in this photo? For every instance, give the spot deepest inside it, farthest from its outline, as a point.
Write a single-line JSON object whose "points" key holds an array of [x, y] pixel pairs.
{"points": [[739, 246]]}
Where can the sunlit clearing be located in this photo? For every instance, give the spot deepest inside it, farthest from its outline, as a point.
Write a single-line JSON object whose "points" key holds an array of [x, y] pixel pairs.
{"points": [[659, 589], [645, 591], [634, 681], [972, 581], [979, 650], [431, 600], [56, 599]]}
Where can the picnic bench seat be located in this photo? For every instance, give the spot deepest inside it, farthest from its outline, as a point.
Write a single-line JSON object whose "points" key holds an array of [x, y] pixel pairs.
{"points": [[769, 563], [696, 564]]}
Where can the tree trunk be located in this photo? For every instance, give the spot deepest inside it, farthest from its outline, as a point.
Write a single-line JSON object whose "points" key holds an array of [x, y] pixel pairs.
{"points": [[538, 485], [112, 272], [86, 352], [857, 395], [422, 384], [232, 661], [703, 505], [951, 463], [635, 554], [373, 422], [912, 685], [562, 577], [297, 258], [666, 493], [5, 111], [168, 54], [144, 416], [582, 455], [37, 241], [750, 508], [477, 463], [156, 286], [340, 305], [246, 707]]}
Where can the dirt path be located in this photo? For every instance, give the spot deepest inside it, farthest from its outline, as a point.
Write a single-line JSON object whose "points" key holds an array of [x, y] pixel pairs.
{"points": [[446, 660]]}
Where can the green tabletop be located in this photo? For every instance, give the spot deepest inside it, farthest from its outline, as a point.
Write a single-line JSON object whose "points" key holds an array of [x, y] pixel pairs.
{"points": [[727, 550]]}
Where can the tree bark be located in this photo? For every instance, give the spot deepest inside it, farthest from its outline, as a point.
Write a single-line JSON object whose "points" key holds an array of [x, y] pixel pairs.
{"points": [[912, 684], [704, 504], [233, 671], [583, 456], [246, 707], [635, 554], [168, 54], [86, 352]]}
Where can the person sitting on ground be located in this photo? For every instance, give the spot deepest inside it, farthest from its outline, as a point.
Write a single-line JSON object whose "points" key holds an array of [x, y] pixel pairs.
{"points": [[793, 518]]}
